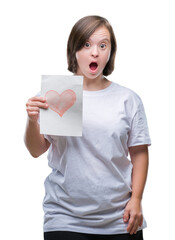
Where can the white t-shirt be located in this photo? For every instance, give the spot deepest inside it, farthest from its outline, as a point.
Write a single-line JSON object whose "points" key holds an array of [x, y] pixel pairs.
{"points": [[90, 183]]}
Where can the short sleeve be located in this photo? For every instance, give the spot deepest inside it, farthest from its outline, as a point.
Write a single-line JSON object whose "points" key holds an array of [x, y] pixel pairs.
{"points": [[139, 132]]}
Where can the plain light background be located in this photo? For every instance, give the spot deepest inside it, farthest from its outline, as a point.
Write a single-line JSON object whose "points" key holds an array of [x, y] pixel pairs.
{"points": [[33, 42]]}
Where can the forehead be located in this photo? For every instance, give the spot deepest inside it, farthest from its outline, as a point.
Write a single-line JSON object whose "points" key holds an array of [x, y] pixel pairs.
{"points": [[100, 33]]}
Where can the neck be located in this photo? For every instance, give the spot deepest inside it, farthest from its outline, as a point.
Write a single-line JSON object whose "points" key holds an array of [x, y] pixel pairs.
{"points": [[95, 84]]}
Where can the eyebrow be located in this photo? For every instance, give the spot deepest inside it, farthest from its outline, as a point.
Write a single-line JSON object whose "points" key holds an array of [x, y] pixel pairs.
{"points": [[105, 39]]}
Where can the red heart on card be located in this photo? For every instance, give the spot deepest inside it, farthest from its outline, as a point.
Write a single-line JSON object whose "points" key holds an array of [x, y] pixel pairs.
{"points": [[60, 103]]}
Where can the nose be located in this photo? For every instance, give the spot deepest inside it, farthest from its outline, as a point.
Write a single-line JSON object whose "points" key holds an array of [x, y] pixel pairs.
{"points": [[94, 51]]}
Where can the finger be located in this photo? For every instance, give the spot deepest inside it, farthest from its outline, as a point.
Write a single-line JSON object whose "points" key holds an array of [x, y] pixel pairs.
{"points": [[33, 116], [40, 99], [33, 113], [131, 223], [135, 227], [32, 109], [126, 216], [37, 104], [137, 223], [141, 222]]}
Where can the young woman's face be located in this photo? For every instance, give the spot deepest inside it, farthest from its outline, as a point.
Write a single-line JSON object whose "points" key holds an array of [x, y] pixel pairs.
{"points": [[93, 57]]}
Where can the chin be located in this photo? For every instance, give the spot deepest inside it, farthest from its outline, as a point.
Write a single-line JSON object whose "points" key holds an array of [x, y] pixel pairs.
{"points": [[93, 76]]}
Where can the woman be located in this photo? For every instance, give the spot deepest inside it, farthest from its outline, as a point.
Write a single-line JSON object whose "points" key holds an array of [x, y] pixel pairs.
{"points": [[94, 190]]}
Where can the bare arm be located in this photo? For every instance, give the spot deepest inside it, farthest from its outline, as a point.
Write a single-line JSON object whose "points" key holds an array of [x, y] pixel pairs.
{"points": [[139, 158], [34, 141], [133, 212]]}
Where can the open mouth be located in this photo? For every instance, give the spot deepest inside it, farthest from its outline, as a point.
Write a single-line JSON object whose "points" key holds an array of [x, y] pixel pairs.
{"points": [[93, 66]]}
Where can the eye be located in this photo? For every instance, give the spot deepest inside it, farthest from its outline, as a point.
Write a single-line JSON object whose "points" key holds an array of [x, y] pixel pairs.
{"points": [[87, 45], [103, 45]]}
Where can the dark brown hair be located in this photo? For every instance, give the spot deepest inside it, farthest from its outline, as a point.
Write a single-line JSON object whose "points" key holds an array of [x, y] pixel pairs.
{"points": [[80, 33]]}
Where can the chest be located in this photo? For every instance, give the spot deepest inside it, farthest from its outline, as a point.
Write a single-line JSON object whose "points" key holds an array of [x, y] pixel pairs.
{"points": [[106, 116]]}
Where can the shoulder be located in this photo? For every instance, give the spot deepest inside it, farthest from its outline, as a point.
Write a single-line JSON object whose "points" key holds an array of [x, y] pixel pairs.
{"points": [[126, 95]]}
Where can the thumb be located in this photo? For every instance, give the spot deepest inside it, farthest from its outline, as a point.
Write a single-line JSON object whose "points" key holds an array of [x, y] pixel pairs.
{"points": [[126, 215]]}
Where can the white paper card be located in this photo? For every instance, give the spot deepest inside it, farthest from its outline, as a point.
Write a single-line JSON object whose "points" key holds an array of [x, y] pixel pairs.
{"points": [[64, 97]]}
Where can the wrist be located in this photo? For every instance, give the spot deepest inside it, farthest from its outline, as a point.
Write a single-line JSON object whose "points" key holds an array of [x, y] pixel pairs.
{"points": [[136, 198], [33, 125], [33, 122]]}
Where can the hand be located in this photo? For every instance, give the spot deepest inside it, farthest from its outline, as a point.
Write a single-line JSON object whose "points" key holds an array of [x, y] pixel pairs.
{"points": [[133, 215], [33, 106]]}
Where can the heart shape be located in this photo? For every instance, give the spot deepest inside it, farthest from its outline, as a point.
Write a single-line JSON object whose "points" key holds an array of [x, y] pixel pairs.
{"points": [[60, 103]]}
